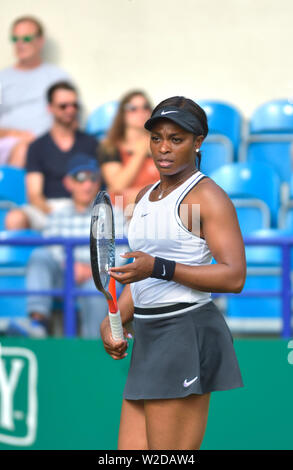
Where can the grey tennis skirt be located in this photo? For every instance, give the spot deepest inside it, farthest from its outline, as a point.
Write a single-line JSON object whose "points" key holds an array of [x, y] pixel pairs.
{"points": [[181, 350]]}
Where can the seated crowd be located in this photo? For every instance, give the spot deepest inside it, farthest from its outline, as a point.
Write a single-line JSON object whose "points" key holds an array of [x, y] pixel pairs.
{"points": [[65, 167]]}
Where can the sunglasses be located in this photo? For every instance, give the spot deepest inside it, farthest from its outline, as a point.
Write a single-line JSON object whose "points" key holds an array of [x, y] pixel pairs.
{"points": [[64, 106], [28, 38], [132, 108], [83, 176]]}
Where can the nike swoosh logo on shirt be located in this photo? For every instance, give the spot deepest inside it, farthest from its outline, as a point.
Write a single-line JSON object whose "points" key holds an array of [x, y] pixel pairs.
{"points": [[186, 383], [143, 215], [164, 271], [168, 112]]}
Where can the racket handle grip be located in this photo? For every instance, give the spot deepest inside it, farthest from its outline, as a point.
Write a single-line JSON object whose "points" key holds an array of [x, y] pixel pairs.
{"points": [[116, 326]]}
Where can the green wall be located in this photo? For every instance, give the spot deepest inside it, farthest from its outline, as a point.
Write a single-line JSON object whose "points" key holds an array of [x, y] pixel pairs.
{"points": [[67, 393]]}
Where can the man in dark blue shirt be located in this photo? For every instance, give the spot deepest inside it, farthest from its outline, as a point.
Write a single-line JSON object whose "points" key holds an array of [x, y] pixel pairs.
{"points": [[47, 160]]}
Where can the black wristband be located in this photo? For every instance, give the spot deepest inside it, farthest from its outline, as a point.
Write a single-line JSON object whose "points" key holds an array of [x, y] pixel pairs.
{"points": [[163, 269]]}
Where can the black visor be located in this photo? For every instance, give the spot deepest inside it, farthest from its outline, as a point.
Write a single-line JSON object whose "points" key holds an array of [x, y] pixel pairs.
{"points": [[183, 118]]}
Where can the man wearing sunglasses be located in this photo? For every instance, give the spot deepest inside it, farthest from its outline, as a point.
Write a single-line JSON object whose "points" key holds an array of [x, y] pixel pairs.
{"points": [[47, 160], [23, 110], [46, 265]]}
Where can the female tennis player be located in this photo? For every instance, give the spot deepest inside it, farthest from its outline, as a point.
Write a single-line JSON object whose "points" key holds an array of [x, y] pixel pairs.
{"points": [[183, 349]]}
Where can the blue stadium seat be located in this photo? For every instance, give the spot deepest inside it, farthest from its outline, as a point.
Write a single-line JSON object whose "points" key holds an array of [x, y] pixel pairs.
{"points": [[277, 154], [256, 181], [260, 314], [266, 255], [224, 119], [12, 306], [3, 213], [216, 151], [101, 119], [15, 256], [13, 261], [270, 137], [290, 188], [285, 217], [12, 186], [252, 215], [256, 314], [274, 116]]}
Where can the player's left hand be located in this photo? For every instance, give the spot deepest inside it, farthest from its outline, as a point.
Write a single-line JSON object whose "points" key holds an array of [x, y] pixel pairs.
{"points": [[141, 268]]}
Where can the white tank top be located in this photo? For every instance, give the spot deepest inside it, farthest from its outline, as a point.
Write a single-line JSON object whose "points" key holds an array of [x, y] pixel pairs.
{"points": [[156, 229]]}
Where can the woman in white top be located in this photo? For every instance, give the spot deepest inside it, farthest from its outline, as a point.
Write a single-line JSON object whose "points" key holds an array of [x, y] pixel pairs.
{"points": [[183, 349]]}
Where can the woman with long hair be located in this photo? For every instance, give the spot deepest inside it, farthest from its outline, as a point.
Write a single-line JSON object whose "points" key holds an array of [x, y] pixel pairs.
{"points": [[183, 349], [124, 155]]}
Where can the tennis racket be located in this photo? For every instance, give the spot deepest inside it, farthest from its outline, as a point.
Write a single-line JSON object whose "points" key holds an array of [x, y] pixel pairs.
{"points": [[102, 253]]}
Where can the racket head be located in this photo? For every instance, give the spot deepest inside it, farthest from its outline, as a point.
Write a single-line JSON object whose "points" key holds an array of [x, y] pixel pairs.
{"points": [[102, 242]]}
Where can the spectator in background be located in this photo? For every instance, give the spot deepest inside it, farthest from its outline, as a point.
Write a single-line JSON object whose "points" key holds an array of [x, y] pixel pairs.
{"points": [[124, 155], [46, 265], [47, 160], [23, 110]]}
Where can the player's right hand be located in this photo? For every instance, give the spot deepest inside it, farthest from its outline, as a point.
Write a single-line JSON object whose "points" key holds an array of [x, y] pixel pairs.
{"points": [[116, 349]]}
